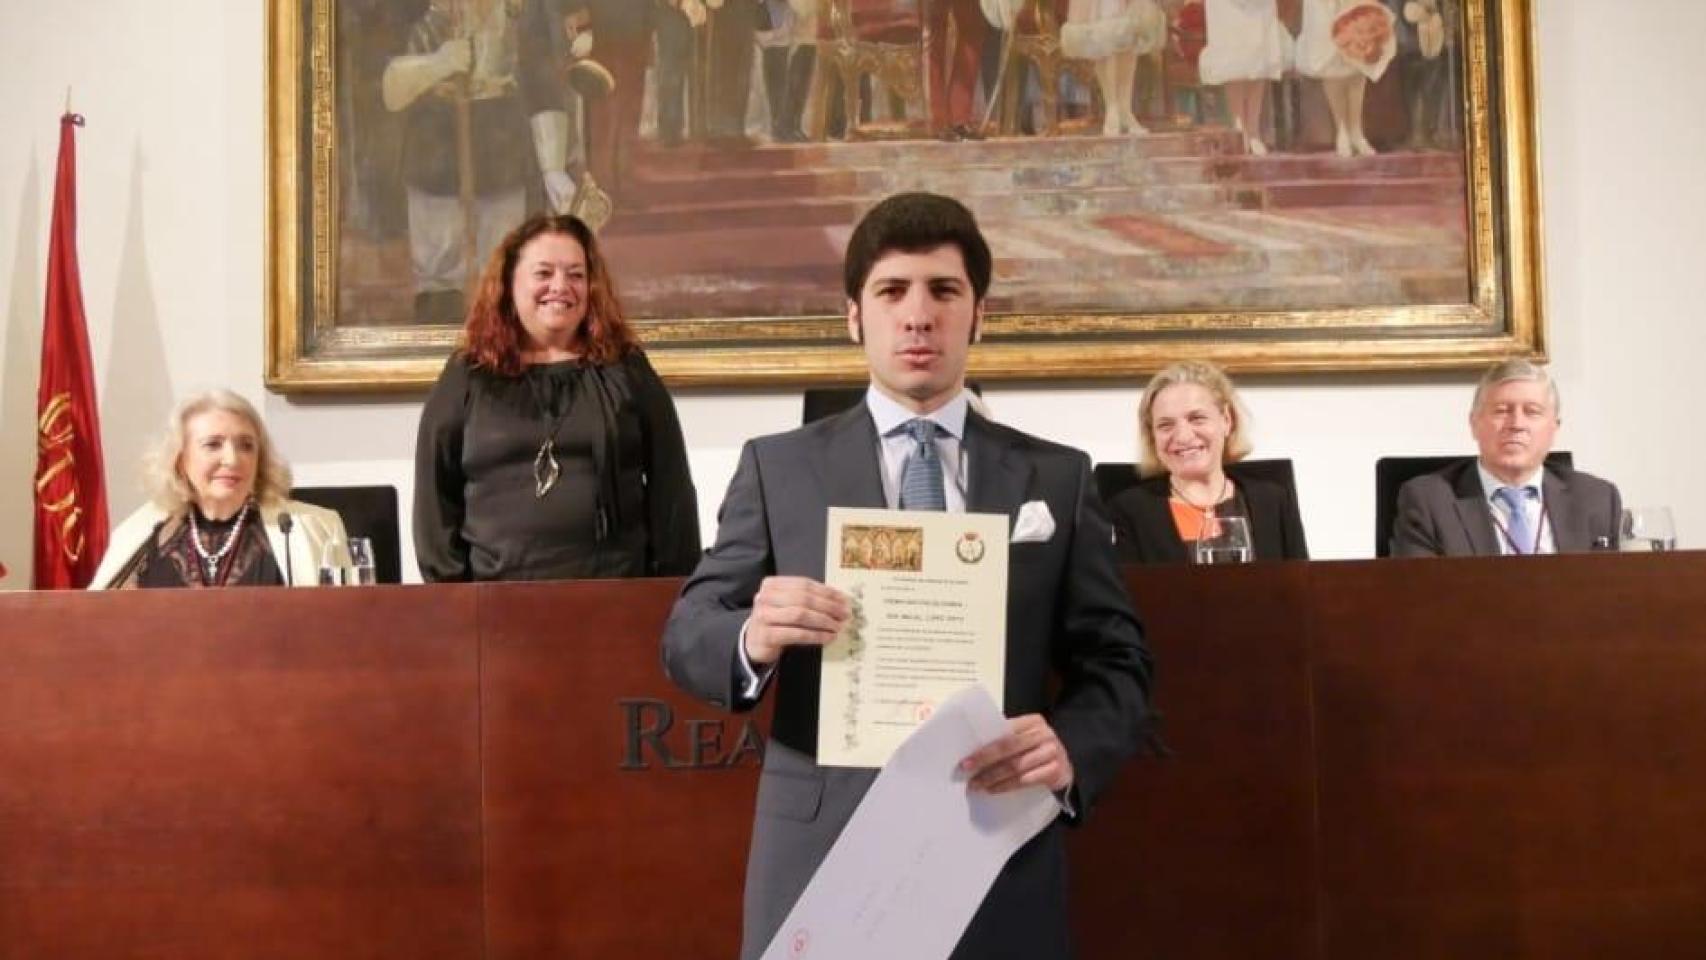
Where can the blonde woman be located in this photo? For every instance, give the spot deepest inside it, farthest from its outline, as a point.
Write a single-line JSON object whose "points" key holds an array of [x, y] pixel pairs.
{"points": [[1193, 430], [218, 501]]}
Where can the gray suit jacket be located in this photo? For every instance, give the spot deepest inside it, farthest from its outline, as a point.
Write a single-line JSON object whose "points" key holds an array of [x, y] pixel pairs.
{"points": [[1068, 619], [1444, 514]]}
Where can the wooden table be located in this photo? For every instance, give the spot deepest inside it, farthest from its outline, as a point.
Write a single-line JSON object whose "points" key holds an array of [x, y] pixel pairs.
{"points": [[1464, 758]]}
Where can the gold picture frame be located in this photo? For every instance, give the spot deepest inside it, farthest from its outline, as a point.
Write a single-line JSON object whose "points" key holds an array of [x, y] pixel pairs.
{"points": [[315, 343]]}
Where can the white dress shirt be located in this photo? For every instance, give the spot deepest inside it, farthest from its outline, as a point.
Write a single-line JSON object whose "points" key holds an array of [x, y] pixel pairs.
{"points": [[896, 445]]}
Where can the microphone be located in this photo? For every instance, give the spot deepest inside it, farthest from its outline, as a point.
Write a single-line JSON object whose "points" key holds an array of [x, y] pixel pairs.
{"points": [[285, 524]]}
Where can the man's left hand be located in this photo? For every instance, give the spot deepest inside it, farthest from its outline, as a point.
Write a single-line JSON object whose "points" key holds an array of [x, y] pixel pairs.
{"points": [[1030, 754]]}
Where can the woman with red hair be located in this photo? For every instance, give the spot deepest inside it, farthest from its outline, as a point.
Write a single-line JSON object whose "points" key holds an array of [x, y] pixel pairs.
{"points": [[549, 449]]}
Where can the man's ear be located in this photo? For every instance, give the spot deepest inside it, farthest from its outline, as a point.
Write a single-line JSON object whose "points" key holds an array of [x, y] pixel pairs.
{"points": [[855, 326], [977, 323]]}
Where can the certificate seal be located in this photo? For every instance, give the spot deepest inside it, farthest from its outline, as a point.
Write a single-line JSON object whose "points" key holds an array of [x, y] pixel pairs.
{"points": [[969, 548]]}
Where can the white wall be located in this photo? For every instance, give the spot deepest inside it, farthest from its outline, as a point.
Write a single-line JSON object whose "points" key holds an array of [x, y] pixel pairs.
{"points": [[171, 181]]}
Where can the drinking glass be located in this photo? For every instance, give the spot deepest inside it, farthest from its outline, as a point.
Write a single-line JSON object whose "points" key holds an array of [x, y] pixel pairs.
{"points": [[361, 561], [1648, 528], [1225, 540], [331, 570]]}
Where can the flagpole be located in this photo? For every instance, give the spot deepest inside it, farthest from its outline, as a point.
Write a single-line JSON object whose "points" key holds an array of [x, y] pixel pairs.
{"points": [[69, 488]]}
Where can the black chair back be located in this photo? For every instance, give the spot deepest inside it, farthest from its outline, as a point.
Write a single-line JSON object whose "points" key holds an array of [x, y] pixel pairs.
{"points": [[1113, 478], [820, 402], [369, 512], [1390, 473]]}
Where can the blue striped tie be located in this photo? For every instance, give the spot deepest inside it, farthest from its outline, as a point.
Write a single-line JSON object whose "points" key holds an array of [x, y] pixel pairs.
{"points": [[921, 476], [1515, 500]]}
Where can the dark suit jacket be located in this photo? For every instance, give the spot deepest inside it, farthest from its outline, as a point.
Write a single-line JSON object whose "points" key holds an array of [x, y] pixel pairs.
{"points": [[1145, 533], [1444, 514], [1068, 620]]}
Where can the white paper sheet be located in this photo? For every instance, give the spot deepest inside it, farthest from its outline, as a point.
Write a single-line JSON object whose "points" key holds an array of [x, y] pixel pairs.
{"points": [[918, 856]]}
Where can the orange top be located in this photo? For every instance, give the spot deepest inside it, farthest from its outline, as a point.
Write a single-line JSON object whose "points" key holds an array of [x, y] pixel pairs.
{"points": [[1190, 521]]}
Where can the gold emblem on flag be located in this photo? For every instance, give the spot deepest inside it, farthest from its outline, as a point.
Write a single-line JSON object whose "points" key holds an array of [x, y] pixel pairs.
{"points": [[56, 429]]}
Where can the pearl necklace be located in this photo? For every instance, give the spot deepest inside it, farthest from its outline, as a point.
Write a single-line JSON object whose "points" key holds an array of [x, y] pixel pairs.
{"points": [[212, 560]]}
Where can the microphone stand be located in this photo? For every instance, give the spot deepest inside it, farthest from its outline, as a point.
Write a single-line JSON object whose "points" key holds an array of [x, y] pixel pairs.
{"points": [[285, 525]]}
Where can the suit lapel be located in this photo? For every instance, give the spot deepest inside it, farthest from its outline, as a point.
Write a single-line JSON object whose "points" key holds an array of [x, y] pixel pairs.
{"points": [[849, 468], [1472, 512], [1569, 524], [999, 476]]}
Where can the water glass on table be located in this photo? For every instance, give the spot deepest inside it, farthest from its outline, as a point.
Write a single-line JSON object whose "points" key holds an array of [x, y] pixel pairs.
{"points": [[332, 573], [1648, 528], [1225, 540], [361, 562]]}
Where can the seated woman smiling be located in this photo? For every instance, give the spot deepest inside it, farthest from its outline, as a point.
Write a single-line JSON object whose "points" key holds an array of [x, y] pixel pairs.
{"points": [[218, 494], [1192, 430]]}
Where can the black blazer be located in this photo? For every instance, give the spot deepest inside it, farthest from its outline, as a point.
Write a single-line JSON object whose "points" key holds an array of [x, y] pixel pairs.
{"points": [[1144, 530]]}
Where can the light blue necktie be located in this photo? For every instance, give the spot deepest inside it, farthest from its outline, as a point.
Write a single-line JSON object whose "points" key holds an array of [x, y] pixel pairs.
{"points": [[921, 475], [1515, 500]]}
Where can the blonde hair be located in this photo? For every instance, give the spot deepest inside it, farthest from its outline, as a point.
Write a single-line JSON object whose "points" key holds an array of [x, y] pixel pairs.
{"points": [[165, 483], [1209, 377]]}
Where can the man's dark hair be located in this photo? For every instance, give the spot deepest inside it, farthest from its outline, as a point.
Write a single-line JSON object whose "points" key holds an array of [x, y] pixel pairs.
{"points": [[913, 223]]}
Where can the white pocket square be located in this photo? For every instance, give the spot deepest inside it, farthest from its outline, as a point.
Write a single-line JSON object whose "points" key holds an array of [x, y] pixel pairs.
{"points": [[1034, 523]]}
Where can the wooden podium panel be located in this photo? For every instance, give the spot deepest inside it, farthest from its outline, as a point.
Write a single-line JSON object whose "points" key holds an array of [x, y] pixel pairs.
{"points": [[1183, 859], [1513, 756], [239, 773], [1464, 758], [618, 809]]}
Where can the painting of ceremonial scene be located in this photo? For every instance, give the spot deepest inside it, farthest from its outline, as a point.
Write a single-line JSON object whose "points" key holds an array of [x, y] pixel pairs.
{"points": [[1127, 158], [1124, 155]]}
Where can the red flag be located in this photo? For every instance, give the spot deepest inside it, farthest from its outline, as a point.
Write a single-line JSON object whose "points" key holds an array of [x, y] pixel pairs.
{"points": [[71, 500]]}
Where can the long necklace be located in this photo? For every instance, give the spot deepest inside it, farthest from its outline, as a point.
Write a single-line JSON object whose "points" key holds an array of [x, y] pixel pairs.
{"points": [[211, 561], [1208, 511], [545, 467], [546, 470]]}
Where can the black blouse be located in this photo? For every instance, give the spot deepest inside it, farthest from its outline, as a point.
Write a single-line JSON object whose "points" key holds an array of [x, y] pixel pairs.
{"points": [[1144, 531], [174, 561], [622, 506]]}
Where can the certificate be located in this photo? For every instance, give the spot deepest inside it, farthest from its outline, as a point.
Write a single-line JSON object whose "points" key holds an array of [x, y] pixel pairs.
{"points": [[929, 597]]}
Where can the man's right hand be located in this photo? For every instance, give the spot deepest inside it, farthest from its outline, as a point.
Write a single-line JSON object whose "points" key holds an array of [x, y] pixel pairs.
{"points": [[791, 612]]}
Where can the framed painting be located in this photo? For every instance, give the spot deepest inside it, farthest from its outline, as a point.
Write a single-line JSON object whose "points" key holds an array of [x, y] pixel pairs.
{"points": [[1277, 185]]}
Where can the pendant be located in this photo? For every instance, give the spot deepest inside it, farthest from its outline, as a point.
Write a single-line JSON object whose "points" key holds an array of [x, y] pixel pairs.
{"points": [[545, 469]]}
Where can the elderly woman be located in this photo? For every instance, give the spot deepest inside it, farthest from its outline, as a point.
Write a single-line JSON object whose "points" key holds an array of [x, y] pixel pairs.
{"points": [[549, 448], [218, 514], [1192, 430]]}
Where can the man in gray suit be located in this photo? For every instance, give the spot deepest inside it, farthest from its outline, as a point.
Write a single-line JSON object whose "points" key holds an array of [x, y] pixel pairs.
{"points": [[755, 615], [1508, 500]]}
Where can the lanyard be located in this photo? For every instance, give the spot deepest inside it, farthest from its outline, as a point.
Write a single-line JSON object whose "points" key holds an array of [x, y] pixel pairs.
{"points": [[1539, 530]]}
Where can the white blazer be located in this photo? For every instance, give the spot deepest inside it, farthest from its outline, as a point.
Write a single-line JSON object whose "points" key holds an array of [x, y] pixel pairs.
{"points": [[314, 527]]}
